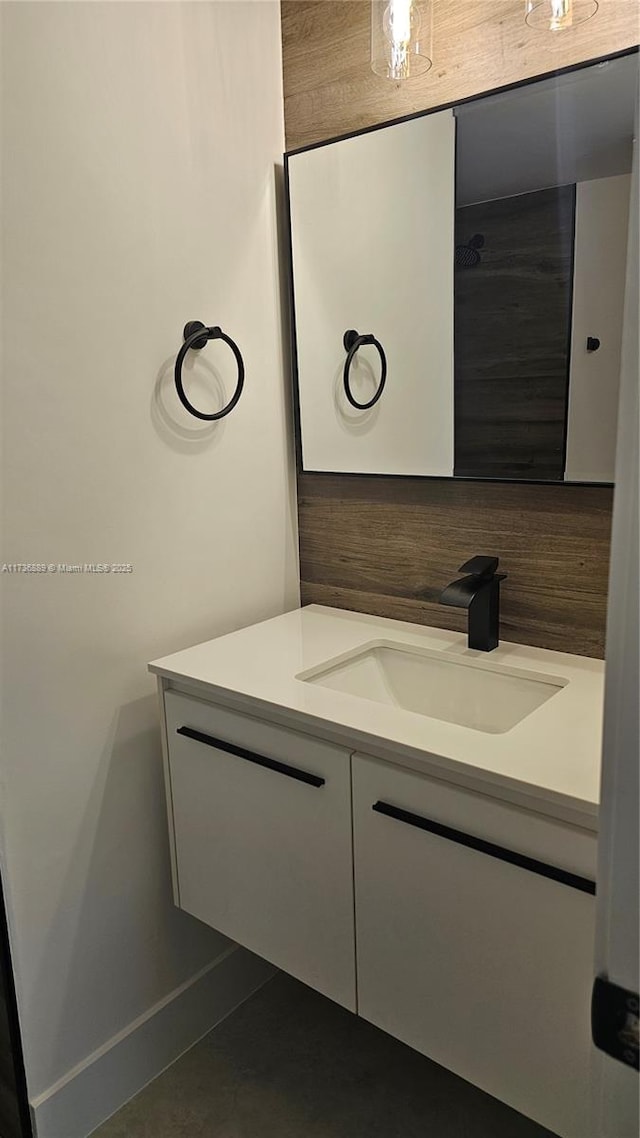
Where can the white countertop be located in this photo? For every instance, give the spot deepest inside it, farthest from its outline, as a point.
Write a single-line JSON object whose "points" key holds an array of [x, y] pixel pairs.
{"points": [[549, 762]]}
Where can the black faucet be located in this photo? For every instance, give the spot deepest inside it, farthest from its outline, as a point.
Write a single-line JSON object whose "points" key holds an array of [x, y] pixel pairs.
{"points": [[480, 593]]}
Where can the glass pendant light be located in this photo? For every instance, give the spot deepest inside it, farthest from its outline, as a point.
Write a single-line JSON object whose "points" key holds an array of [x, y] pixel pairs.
{"points": [[558, 15], [401, 34]]}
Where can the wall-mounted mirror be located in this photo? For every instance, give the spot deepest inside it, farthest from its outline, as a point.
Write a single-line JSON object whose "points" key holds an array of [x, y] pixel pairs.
{"points": [[472, 259]]}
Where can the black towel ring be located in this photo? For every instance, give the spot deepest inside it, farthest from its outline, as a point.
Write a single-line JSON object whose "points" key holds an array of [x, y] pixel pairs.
{"points": [[352, 340], [196, 335]]}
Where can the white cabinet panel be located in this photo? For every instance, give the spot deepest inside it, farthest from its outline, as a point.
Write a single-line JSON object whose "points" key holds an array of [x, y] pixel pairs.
{"points": [[262, 855], [482, 965], [372, 241]]}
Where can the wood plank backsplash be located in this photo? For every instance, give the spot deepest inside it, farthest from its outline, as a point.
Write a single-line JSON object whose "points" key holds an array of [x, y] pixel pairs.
{"points": [[389, 545]]}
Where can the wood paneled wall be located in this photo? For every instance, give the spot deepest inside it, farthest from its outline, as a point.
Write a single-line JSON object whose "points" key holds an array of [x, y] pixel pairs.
{"points": [[329, 88], [388, 545], [510, 388]]}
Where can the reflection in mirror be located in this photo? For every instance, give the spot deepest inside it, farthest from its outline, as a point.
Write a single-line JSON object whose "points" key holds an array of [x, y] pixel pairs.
{"points": [[484, 248], [542, 205], [372, 221]]}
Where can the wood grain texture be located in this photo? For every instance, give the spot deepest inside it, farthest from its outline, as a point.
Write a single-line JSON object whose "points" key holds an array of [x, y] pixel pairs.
{"points": [[478, 45], [512, 333], [388, 546]]}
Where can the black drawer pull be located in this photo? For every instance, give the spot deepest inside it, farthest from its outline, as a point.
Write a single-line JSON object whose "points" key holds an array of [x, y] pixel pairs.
{"points": [[584, 884], [251, 757]]}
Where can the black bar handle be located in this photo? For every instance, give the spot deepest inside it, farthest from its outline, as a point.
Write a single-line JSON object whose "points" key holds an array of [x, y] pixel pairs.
{"points": [[252, 757], [531, 864]]}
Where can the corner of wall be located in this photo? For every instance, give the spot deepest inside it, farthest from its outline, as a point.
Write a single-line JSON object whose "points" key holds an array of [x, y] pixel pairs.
{"points": [[103, 1082]]}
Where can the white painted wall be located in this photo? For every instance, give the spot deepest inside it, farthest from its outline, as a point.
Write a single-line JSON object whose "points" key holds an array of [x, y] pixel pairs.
{"points": [[139, 193], [602, 222], [372, 235]]}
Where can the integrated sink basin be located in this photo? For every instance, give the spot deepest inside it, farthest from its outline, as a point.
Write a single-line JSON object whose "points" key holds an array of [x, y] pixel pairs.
{"points": [[471, 693]]}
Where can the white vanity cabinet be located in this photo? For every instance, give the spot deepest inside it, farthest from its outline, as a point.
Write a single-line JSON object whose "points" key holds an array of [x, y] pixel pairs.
{"points": [[436, 879], [472, 939], [261, 821], [481, 964]]}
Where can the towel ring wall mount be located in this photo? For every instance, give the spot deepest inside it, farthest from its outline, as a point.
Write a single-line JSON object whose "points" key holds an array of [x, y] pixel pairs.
{"points": [[196, 335], [352, 340]]}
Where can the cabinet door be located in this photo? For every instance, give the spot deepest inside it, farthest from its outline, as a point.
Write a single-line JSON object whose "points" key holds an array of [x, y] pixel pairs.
{"points": [[262, 826], [480, 964]]}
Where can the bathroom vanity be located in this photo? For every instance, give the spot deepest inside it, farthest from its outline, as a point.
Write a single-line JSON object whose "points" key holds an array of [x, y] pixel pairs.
{"points": [[406, 825]]}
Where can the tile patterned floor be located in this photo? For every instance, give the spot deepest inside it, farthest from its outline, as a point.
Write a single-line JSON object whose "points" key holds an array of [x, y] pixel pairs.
{"points": [[291, 1064]]}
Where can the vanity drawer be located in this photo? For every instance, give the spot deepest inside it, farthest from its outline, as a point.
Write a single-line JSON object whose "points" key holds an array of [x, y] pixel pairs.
{"points": [[262, 830], [572, 849], [482, 964]]}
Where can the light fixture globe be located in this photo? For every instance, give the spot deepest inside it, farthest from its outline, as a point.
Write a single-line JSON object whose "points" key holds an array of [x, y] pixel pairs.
{"points": [[558, 15], [401, 35]]}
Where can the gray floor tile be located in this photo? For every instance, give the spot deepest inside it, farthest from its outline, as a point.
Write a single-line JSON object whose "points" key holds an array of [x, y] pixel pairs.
{"points": [[291, 1064]]}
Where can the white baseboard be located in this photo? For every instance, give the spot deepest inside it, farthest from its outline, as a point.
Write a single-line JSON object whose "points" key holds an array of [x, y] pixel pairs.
{"points": [[98, 1086]]}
